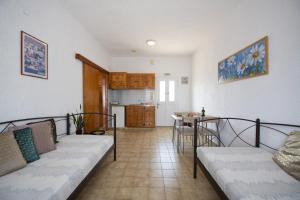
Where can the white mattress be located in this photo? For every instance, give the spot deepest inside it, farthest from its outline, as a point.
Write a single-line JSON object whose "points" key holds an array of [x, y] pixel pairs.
{"points": [[56, 175], [248, 173]]}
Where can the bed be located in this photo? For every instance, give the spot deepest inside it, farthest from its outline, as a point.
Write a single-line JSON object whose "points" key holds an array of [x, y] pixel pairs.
{"points": [[61, 173], [245, 173]]}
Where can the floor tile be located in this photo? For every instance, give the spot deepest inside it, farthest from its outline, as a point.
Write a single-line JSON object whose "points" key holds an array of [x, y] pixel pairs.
{"points": [[171, 183], [139, 193], [173, 194], [169, 173], [123, 193], [156, 182], [167, 165], [156, 194], [156, 173], [148, 167]]}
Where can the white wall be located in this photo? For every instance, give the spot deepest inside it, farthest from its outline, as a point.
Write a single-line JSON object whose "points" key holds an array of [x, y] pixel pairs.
{"points": [[176, 66], [274, 97], [23, 96]]}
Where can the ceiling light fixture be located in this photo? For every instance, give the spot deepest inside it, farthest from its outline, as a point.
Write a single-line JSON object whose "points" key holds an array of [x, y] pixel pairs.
{"points": [[150, 42]]}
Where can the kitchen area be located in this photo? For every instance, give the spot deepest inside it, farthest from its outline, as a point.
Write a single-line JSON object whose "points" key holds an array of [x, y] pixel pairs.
{"points": [[132, 98]]}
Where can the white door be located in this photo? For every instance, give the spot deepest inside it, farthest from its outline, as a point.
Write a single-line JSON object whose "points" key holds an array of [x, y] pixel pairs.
{"points": [[165, 100]]}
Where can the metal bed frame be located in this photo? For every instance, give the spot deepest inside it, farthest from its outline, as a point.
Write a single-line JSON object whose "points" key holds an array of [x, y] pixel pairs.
{"points": [[257, 143], [67, 118]]}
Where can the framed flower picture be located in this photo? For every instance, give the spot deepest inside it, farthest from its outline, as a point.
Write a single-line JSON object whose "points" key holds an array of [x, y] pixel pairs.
{"points": [[34, 56], [249, 62]]}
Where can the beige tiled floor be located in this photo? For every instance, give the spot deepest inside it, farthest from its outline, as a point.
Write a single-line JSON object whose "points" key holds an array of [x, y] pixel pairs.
{"points": [[147, 167]]}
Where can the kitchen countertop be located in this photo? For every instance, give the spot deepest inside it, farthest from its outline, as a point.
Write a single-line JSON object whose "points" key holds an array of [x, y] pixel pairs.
{"points": [[133, 105], [140, 105]]}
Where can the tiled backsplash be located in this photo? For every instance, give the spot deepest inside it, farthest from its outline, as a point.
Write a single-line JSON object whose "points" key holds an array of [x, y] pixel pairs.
{"points": [[132, 96]]}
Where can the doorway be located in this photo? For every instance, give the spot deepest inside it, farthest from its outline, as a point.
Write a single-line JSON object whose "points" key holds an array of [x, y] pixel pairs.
{"points": [[95, 98], [165, 100]]}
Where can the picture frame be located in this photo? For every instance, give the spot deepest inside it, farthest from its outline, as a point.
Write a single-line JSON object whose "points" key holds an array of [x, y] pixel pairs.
{"points": [[34, 56], [184, 80], [249, 62]]}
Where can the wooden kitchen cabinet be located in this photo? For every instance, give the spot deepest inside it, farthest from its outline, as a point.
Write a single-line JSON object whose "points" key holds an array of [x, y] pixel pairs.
{"points": [[149, 116], [139, 116], [123, 80], [140, 81], [135, 116], [149, 81], [118, 80], [134, 81], [140, 112], [131, 116]]}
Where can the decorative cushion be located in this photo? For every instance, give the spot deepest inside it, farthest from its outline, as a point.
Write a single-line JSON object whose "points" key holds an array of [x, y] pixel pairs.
{"points": [[11, 158], [14, 128], [288, 157], [42, 136], [53, 126], [54, 133], [25, 141]]}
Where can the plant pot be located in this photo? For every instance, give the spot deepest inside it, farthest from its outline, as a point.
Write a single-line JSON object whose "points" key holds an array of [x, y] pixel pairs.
{"points": [[79, 132]]}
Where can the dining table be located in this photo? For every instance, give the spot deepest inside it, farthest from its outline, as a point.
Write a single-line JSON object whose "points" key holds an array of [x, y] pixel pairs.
{"points": [[178, 119]]}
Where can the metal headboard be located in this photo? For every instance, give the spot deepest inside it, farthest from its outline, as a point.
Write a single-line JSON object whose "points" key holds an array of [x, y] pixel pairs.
{"points": [[66, 118], [253, 123], [198, 124]]}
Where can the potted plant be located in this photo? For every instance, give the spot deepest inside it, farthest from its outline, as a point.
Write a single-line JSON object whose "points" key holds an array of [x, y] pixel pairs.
{"points": [[78, 121]]}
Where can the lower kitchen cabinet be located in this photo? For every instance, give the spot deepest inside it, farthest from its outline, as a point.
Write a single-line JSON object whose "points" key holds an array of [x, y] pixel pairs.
{"points": [[149, 116], [139, 116], [131, 116]]}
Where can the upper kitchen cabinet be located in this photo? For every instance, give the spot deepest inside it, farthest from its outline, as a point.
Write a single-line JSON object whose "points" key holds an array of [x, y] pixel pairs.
{"points": [[141, 81], [135, 81], [118, 80], [149, 81]]}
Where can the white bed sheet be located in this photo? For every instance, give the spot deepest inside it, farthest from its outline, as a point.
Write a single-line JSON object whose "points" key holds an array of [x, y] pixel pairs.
{"points": [[246, 173], [57, 173]]}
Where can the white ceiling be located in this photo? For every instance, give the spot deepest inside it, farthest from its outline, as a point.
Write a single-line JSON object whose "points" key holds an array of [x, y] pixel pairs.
{"points": [[178, 26]]}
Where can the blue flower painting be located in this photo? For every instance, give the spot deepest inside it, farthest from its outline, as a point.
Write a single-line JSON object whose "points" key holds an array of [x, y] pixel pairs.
{"points": [[249, 62], [34, 56]]}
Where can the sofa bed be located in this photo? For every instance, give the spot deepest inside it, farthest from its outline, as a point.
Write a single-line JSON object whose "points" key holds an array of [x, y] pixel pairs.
{"points": [[251, 172], [60, 173]]}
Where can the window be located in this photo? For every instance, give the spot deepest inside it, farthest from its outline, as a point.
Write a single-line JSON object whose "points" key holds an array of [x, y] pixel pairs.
{"points": [[162, 91], [171, 91]]}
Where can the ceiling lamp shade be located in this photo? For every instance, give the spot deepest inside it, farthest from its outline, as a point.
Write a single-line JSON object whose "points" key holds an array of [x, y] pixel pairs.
{"points": [[150, 42]]}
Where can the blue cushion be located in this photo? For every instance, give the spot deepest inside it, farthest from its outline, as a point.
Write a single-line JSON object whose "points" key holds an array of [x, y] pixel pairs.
{"points": [[25, 141]]}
